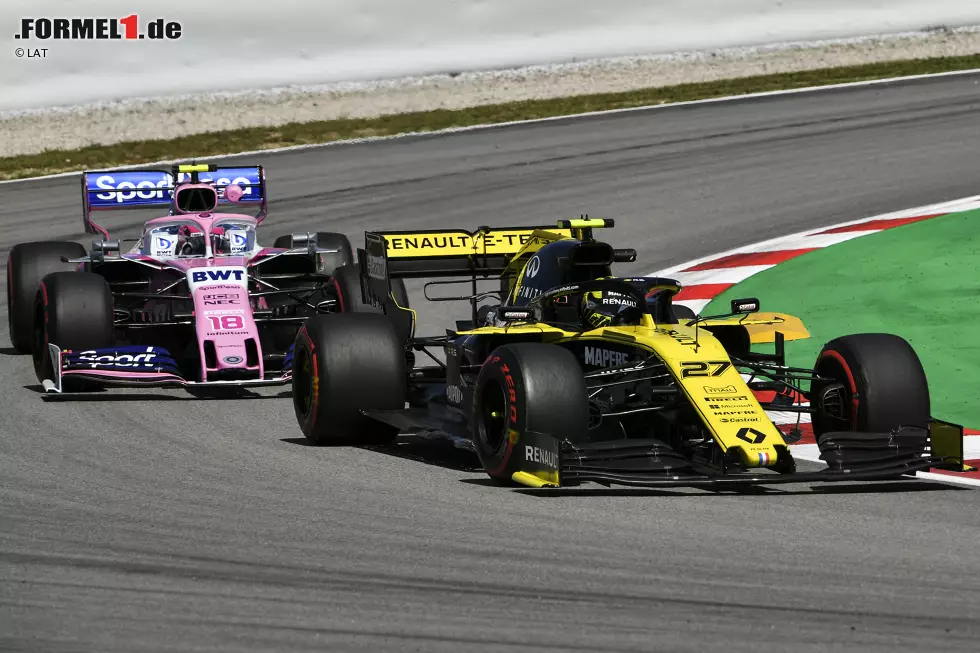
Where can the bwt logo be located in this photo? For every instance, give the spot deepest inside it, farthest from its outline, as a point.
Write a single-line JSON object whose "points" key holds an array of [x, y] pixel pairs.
{"points": [[217, 275]]}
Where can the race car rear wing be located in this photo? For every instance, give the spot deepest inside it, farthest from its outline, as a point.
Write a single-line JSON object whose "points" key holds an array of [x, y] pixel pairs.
{"points": [[442, 253], [136, 189]]}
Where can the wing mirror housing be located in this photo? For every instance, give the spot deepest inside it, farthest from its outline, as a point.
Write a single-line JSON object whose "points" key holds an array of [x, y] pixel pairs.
{"points": [[749, 305], [592, 254], [100, 248], [308, 240], [624, 255]]}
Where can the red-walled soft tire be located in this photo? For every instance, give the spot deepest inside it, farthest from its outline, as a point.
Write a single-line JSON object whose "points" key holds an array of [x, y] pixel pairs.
{"points": [[882, 385], [526, 388], [342, 364]]}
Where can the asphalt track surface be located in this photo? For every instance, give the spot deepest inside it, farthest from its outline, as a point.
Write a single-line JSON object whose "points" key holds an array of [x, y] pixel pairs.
{"points": [[157, 522]]}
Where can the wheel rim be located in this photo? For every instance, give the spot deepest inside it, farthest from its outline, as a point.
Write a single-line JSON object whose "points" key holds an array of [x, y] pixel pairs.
{"points": [[835, 399], [493, 415]]}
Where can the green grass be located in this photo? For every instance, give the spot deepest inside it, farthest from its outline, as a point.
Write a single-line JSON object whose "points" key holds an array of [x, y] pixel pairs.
{"points": [[258, 138], [919, 281]]}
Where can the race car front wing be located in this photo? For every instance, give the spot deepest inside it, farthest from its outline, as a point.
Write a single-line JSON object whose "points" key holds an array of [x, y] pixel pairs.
{"points": [[136, 368], [850, 457]]}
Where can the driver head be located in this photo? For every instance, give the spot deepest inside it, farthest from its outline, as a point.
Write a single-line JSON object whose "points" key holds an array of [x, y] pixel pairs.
{"points": [[604, 308]]}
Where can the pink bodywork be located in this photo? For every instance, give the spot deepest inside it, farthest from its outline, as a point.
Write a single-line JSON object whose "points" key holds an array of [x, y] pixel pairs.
{"points": [[222, 308]]}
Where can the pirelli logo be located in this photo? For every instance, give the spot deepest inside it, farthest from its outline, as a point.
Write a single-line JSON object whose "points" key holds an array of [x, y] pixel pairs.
{"points": [[460, 243]]}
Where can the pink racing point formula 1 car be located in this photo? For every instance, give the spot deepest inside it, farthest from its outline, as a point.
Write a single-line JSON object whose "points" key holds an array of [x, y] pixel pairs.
{"points": [[195, 302]]}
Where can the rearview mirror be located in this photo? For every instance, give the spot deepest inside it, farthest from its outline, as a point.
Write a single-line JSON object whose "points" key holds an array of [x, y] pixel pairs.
{"points": [[624, 255], [750, 305]]}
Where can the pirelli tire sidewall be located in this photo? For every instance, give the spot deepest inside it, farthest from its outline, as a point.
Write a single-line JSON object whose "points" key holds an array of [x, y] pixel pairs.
{"points": [[74, 311], [885, 386], [540, 392], [343, 364]]}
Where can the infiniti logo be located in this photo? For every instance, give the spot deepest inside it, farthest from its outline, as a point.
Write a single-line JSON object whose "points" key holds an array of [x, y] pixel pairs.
{"points": [[533, 266]]}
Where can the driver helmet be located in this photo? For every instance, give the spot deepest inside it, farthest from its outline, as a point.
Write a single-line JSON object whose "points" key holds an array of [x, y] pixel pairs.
{"points": [[602, 308], [190, 243]]}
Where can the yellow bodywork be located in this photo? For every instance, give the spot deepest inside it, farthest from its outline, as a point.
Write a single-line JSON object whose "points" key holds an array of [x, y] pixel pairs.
{"points": [[762, 327], [704, 372], [536, 479], [696, 359]]}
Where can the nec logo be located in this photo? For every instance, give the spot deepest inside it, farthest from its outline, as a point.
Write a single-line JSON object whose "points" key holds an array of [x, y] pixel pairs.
{"points": [[217, 275]]}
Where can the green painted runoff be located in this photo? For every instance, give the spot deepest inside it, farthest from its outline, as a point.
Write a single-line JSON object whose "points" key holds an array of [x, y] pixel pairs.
{"points": [[920, 281]]}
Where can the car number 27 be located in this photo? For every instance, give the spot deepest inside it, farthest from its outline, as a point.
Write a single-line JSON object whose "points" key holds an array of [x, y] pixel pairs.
{"points": [[704, 368]]}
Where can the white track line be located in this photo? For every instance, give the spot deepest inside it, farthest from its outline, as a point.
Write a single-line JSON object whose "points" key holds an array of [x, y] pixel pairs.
{"points": [[513, 123], [811, 453], [784, 242]]}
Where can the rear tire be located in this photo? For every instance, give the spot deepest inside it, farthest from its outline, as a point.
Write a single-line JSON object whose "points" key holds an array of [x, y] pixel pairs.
{"points": [[27, 264], [74, 311], [878, 386], [549, 397], [326, 240], [348, 284], [342, 364]]}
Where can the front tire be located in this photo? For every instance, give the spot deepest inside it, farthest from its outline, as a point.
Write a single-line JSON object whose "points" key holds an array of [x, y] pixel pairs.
{"points": [[343, 364], [877, 385], [74, 311], [524, 388], [27, 264]]}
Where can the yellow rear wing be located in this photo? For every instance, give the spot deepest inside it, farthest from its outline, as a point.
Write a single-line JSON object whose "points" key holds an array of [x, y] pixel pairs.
{"points": [[485, 241], [454, 253]]}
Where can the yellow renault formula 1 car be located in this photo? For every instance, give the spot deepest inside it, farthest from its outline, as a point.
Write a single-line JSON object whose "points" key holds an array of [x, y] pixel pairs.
{"points": [[570, 374]]}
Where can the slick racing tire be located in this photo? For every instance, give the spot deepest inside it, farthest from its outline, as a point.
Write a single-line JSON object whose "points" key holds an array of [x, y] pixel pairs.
{"points": [[343, 364], [524, 388], [27, 264], [876, 385], [326, 240], [74, 311], [683, 313], [347, 280]]}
